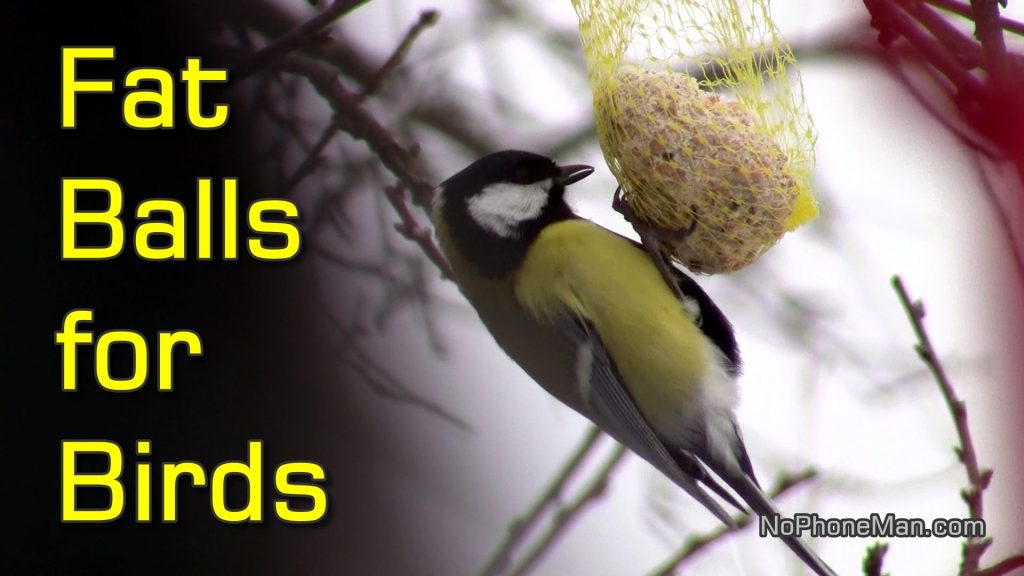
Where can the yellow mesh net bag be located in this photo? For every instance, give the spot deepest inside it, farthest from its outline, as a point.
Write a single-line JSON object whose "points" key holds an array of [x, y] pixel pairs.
{"points": [[703, 123]]}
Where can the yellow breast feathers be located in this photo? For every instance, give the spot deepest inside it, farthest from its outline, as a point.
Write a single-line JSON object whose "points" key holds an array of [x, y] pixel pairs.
{"points": [[579, 268]]}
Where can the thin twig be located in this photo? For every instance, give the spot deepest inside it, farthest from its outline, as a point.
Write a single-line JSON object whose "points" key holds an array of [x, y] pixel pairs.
{"points": [[313, 160], [964, 10], [412, 230], [1002, 215], [427, 19], [379, 380], [990, 33], [960, 45], [956, 124], [295, 38], [522, 526], [695, 544], [872, 564], [977, 477], [360, 124], [1004, 567], [891, 20], [566, 515], [456, 118], [380, 271]]}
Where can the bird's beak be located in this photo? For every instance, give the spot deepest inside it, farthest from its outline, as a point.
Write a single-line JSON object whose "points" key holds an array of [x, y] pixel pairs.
{"points": [[573, 173]]}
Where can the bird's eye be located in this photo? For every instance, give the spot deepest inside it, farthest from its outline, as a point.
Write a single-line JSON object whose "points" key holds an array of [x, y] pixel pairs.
{"points": [[522, 175]]}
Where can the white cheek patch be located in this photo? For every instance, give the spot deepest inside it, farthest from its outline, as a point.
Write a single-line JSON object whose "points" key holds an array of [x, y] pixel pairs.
{"points": [[500, 208]]}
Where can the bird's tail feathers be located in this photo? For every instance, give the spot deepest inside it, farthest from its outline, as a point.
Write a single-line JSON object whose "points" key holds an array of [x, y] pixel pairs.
{"points": [[749, 491], [692, 488]]}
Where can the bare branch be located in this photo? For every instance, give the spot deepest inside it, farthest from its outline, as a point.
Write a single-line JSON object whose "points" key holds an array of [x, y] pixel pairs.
{"points": [[379, 380], [962, 9], [449, 116], [965, 50], [1005, 567], [427, 19], [695, 544], [990, 33], [360, 124], [295, 38], [566, 515], [977, 477], [313, 160], [522, 526], [872, 564], [892, 21], [410, 229], [988, 185]]}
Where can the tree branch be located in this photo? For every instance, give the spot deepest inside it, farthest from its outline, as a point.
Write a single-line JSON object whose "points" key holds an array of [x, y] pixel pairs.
{"points": [[427, 19], [566, 515], [522, 526], [872, 564], [313, 160], [990, 33], [977, 477], [450, 116], [294, 38], [962, 9], [361, 125], [891, 20], [378, 379], [1005, 567], [411, 230]]}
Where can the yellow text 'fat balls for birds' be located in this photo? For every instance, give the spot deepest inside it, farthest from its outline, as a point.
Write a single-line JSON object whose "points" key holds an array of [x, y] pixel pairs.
{"points": [[717, 168]]}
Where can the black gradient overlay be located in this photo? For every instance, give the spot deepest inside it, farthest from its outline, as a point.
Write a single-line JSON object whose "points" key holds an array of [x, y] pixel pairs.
{"points": [[262, 375]]}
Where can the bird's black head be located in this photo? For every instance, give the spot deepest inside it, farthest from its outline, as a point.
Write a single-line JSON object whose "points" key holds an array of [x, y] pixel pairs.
{"points": [[496, 206]]}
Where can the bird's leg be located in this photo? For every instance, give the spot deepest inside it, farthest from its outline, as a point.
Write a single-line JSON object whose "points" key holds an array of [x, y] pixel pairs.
{"points": [[684, 233], [652, 246], [620, 206], [650, 242]]}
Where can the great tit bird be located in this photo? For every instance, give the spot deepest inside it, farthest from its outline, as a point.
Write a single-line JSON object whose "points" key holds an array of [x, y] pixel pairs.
{"points": [[587, 314]]}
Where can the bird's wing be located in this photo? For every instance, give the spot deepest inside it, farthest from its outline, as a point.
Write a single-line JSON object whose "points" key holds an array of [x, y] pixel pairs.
{"points": [[614, 410], [712, 321]]}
